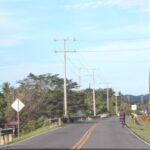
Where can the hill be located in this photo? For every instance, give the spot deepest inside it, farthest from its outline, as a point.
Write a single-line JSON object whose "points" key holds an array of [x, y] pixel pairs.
{"points": [[137, 99]]}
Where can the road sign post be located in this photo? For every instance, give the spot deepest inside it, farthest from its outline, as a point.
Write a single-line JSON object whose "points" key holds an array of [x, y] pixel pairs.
{"points": [[134, 108], [18, 106]]}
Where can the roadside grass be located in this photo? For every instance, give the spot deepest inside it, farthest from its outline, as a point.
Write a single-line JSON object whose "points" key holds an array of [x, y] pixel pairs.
{"points": [[141, 129], [31, 134]]}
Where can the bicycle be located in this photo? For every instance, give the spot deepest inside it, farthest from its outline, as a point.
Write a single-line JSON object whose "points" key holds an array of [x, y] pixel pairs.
{"points": [[122, 121]]}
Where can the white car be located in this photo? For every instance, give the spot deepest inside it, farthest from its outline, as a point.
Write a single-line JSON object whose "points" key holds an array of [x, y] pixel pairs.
{"points": [[104, 115]]}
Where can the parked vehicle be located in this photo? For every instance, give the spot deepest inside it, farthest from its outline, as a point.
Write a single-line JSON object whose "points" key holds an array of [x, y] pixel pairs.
{"points": [[104, 115]]}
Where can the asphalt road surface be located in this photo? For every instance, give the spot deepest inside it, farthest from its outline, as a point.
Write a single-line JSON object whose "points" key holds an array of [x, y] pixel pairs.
{"points": [[95, 134]]}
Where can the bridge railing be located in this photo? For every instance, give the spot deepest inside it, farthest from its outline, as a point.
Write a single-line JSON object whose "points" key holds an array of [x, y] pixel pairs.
{"points": [[6, 136], [63, 120]]}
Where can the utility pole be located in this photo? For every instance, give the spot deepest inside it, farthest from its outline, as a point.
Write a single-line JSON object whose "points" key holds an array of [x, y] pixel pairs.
{"points": [[65, 72], [80, 79], [142, 103], [128, 97], [107, 99], [94, 104], [116, 103], [107, 83], [93, 93], [90, 99], [94, 107]]}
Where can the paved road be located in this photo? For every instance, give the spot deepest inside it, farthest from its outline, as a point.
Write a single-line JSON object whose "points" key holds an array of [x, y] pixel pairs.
{"points": [[110, 134], [97, 134]]}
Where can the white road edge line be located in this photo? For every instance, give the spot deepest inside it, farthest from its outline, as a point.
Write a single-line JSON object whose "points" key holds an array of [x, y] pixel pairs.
{"points": [[29, 138], [138, 136]]}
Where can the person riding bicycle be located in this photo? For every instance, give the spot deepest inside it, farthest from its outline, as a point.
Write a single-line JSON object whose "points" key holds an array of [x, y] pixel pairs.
{"points": [[122, 117]]}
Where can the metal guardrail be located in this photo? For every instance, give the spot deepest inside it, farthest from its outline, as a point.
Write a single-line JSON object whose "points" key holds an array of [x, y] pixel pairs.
{"points": [[5, 136], [63, 120], [72, 119], [55, 122], [6, 131]]}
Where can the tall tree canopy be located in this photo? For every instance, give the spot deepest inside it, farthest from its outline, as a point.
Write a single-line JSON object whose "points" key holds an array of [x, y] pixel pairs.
{"points": [[44, 98]]}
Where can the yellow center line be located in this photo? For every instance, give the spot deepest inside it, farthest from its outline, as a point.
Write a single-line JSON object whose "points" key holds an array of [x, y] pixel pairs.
{"points": [[80, 141], [84, 138], [87, 137]]}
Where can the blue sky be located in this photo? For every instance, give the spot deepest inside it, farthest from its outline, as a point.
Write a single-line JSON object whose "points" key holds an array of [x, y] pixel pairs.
{"points": [[118, 31]]}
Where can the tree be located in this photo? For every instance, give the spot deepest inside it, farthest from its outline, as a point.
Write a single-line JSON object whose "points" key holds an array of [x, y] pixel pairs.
{"points": [[3, 105], [9, 96], [43, 96]]}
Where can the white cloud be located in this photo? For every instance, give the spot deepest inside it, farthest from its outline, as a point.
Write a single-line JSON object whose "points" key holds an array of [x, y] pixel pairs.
{"points": [[3, 13], [147, 9], [88, 28], [11, 32], [120, 3], [13, 73], [12, 1], [9, 29], [9, 42]]}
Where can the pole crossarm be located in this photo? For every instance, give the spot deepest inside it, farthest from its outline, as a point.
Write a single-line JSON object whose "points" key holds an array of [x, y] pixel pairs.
{"points": [[107, 83], [65, 51]]}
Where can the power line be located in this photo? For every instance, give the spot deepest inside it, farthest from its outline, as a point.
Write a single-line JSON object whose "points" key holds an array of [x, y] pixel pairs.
{"points": [[113, 50], [123, 39], [71, 68], [79, 65], [81, 62]]}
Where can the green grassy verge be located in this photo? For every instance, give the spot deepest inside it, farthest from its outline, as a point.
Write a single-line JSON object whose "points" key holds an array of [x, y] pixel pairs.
{"points": [[33, 133], [142, 129]]}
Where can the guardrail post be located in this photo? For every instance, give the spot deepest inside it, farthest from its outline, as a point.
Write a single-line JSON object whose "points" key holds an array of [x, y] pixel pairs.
{"points": [[9, 137], [1, 140], [5, 138], [59, 122]]}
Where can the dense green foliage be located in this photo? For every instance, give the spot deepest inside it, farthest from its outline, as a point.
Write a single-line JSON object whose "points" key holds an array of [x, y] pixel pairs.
{"points": [[43, 98], [3, 105]]}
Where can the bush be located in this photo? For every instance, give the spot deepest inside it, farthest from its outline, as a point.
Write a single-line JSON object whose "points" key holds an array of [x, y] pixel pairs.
{"points": [[39, 122], [42, 121], [46, 122], [30, 126], [145, 117]]}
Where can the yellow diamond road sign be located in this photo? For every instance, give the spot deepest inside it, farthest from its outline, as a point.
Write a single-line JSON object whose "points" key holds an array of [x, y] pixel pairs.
{"points": [[17, 105]]}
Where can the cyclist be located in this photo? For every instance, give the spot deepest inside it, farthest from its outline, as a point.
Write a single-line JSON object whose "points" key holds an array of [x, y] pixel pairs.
{"points": [[122, 117]]}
